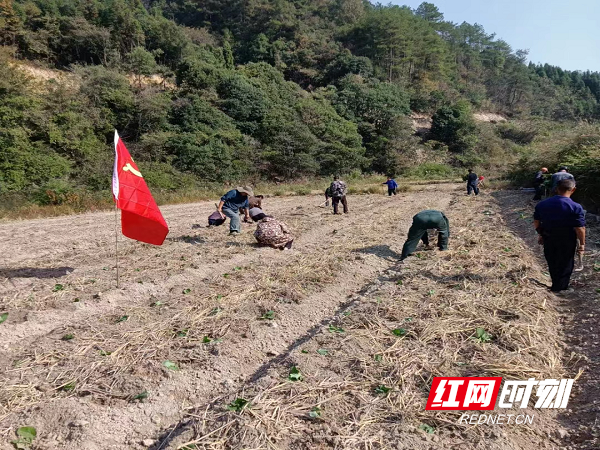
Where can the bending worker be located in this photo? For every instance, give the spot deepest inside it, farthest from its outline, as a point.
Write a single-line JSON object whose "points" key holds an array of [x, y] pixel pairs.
{"points": [[560, 222], [423, 221], [230, 205]]}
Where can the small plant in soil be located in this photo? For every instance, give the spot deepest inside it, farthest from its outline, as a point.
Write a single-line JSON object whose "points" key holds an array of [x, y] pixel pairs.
{"points": [[187, 291], [238, 405], [269, 315], [399, 332], [68, 337], [382, 390], [315, 413], [58, 287], [3, 317], [295, 374], [323, 351], [334, 329], [141, 396], [482, 336], [427, 428], [122, 319], [171, 365], [25, 437]]}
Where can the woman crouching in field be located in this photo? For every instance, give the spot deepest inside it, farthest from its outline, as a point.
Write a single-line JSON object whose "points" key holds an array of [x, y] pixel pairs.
{"points": [[271, 231]]}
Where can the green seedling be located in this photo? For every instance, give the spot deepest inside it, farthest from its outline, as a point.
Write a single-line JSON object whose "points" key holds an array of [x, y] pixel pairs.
{"points": [[427, 428], [295, 374], [157, 303], [171, 365], [431, 292], [399, 282], [141, 396], [315, 413], [226, 275], [378, 357], [3, 317], [507, 249], [482, 336], [382, 390], [68, 337], [269, 315], [334, 329], [122, 319], [104, 353], [69, 386], [323, 351], [206, 340], [237, 269], [183, 333], [399, 332], [304, 351], [187, 291], [75, 300], [58, 287], [238, 405], [25, 437]]}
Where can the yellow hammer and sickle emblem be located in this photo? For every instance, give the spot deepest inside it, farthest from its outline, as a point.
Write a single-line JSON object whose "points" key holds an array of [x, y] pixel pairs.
{"points": [[129, 168]]}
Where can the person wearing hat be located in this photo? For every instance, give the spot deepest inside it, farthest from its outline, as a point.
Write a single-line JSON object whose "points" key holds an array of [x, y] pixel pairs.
{"points": [[538, 183], [230, 205], [562, 174]]}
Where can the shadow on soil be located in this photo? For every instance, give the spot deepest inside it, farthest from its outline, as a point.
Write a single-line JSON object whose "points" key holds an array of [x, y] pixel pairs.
{"points": [[579, 319], [36, 272]]}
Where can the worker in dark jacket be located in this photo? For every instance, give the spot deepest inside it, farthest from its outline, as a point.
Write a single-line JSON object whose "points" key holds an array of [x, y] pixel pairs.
{"points": [[472, 183], [423, 221], [560, 223], [538, 183]]}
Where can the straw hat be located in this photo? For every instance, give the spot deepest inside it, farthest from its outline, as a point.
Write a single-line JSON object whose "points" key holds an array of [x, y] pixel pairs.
{"points": [[245, 190]]}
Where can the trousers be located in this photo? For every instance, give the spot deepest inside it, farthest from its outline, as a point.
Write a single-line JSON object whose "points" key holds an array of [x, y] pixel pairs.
{"points": [[423, 221], [539, 191], [235, 224], [472, 187], [336, 202], [559, 250], [391, 191]]}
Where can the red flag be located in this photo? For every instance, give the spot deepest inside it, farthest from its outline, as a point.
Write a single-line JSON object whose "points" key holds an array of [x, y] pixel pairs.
{"points": [[140, 217]]}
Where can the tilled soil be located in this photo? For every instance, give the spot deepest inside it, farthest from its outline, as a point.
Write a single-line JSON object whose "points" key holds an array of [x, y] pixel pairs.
{"points": [[208, 318]]}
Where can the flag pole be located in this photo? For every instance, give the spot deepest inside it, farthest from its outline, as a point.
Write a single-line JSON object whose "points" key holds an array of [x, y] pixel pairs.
{"points": [[117, 243]]}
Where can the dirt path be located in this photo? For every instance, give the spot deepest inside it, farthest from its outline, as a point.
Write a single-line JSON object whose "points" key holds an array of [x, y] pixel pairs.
{"points": [[84, 362]]}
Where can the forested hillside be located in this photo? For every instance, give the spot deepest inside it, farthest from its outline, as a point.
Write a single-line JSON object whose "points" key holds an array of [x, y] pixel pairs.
{"points": [[232, 90]]}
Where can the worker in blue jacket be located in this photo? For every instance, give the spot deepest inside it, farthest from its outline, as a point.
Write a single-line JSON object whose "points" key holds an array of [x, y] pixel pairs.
{"points": [[392, 186]]}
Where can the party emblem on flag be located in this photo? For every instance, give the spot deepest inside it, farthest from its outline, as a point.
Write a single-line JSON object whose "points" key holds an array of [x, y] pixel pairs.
{"points": [[140, 217]]}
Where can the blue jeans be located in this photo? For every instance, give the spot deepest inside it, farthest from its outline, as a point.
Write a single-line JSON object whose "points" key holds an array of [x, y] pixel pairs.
{"points": [[472, 187], [234, 224]]}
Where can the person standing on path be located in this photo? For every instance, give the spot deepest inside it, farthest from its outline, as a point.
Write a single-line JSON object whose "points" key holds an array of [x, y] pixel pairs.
{"points": [[472, 181], [338, 194], [423, 221], [392, 186], [560, 222], [230, 205], [538, 183], [562, 174]]}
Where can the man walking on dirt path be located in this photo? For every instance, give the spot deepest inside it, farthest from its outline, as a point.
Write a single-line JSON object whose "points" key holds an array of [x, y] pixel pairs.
{"points": [[562, 174], [230, 205], [472, 181], [560, 222], [338, 194], [423, 221], [538, 183], [392, 186]]}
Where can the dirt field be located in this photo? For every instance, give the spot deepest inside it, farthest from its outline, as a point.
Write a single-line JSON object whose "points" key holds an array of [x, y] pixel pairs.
{"points": [[207, 319]]}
